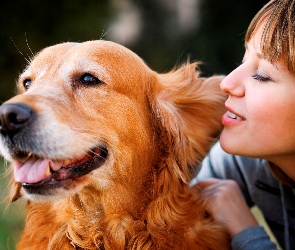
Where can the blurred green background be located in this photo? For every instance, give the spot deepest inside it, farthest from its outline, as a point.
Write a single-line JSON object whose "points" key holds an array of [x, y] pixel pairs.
{"points": [[12, 216], [162, 32]]}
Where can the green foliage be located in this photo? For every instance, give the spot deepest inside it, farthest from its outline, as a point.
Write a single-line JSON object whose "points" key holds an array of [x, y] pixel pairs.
{"points": [[11, 216]]}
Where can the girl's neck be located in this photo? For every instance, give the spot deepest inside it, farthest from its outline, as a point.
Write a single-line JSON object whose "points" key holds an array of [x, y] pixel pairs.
{"points": [[279, 174]]}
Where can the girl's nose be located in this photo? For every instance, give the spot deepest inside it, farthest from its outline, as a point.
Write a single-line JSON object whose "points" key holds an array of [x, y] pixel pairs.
{"points": [[233, 83]]}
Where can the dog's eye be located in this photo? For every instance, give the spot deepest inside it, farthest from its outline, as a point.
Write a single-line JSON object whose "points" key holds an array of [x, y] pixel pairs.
{"points": [[88, 79], [27, 83]]}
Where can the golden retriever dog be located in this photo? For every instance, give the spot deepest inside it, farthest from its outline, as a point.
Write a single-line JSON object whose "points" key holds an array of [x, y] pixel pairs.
{"points": [[103, 148]]}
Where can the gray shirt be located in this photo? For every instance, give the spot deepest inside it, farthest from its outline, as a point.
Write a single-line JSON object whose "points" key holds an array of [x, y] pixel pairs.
{"points": [[276, 201]]}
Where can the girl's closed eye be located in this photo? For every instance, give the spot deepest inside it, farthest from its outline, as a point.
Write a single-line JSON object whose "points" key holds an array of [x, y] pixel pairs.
{"points": [[261, 78]]}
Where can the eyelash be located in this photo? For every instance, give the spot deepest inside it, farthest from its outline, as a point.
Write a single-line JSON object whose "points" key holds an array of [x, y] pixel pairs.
{"points": [[261, 78]]}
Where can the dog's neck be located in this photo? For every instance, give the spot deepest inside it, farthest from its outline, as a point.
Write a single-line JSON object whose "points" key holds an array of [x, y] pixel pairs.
{"points": [[111, 208]]}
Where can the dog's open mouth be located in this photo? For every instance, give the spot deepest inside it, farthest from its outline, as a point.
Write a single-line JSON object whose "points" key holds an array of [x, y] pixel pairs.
{"points": [[36, 173]]}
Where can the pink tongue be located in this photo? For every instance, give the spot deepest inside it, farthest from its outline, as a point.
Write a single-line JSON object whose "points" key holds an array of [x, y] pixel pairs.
{"points": [[34, 170]]}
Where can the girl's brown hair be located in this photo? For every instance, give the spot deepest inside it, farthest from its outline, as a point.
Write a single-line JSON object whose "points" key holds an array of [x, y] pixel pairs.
{"points": [[278, 38]]}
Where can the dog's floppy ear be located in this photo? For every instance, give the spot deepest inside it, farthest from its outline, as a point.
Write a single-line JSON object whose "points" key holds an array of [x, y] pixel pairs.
{"points": [[189, 109], [14, 189]]}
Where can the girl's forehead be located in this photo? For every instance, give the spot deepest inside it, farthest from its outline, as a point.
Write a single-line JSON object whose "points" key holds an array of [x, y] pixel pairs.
{"points": [[255, 41], [253, 45]]}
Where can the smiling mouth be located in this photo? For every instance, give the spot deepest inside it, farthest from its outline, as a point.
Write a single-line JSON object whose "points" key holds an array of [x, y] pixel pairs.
{"points": [[234, 116], [39, 176]]}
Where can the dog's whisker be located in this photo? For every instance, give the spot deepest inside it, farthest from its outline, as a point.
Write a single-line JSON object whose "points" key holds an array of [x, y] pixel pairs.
{"points": [[32, 54], [27, 60], [7, 170], [104, 33]]}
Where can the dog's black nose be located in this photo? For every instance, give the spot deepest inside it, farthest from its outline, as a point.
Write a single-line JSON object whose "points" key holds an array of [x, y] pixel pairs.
{"points": [[14, 117]]}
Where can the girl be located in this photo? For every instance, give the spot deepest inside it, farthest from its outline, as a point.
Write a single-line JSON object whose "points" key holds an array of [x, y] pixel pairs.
{"points": [[259, 123]]}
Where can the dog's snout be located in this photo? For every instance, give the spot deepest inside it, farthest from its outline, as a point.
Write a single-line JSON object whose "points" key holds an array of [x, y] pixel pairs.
{"points": [[13, 117]]}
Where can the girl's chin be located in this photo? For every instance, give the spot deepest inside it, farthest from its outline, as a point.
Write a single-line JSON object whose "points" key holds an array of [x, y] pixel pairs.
{"points": [[231, 143], [235, 146]]}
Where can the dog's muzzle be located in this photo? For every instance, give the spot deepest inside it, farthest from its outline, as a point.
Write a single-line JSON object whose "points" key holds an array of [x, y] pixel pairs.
{"points": [[17, 123]]}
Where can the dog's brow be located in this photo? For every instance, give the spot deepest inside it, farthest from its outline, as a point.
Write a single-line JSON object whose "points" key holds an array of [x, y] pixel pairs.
{"points": [[83, 66]]}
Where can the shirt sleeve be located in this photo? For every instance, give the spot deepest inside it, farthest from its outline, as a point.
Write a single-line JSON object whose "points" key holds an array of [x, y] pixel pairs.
{"points": [[253, 238]]}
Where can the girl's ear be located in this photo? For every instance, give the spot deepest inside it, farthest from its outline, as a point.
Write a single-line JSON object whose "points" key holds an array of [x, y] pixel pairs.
{"points": [[189, 108]]}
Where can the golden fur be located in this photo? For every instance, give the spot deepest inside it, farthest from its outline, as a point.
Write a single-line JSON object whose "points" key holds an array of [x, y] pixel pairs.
{"points": [[156, 127]]}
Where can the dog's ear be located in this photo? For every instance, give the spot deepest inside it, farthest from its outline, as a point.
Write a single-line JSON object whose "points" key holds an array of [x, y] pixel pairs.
{"points": [[189, 109], [14, 189]]}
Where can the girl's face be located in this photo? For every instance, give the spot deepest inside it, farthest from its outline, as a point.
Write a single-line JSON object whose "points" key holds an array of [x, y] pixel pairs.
{"points": [[260, 117]]}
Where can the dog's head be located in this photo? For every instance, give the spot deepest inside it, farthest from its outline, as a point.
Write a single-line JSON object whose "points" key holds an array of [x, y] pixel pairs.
{"points": [[93, 114]]}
